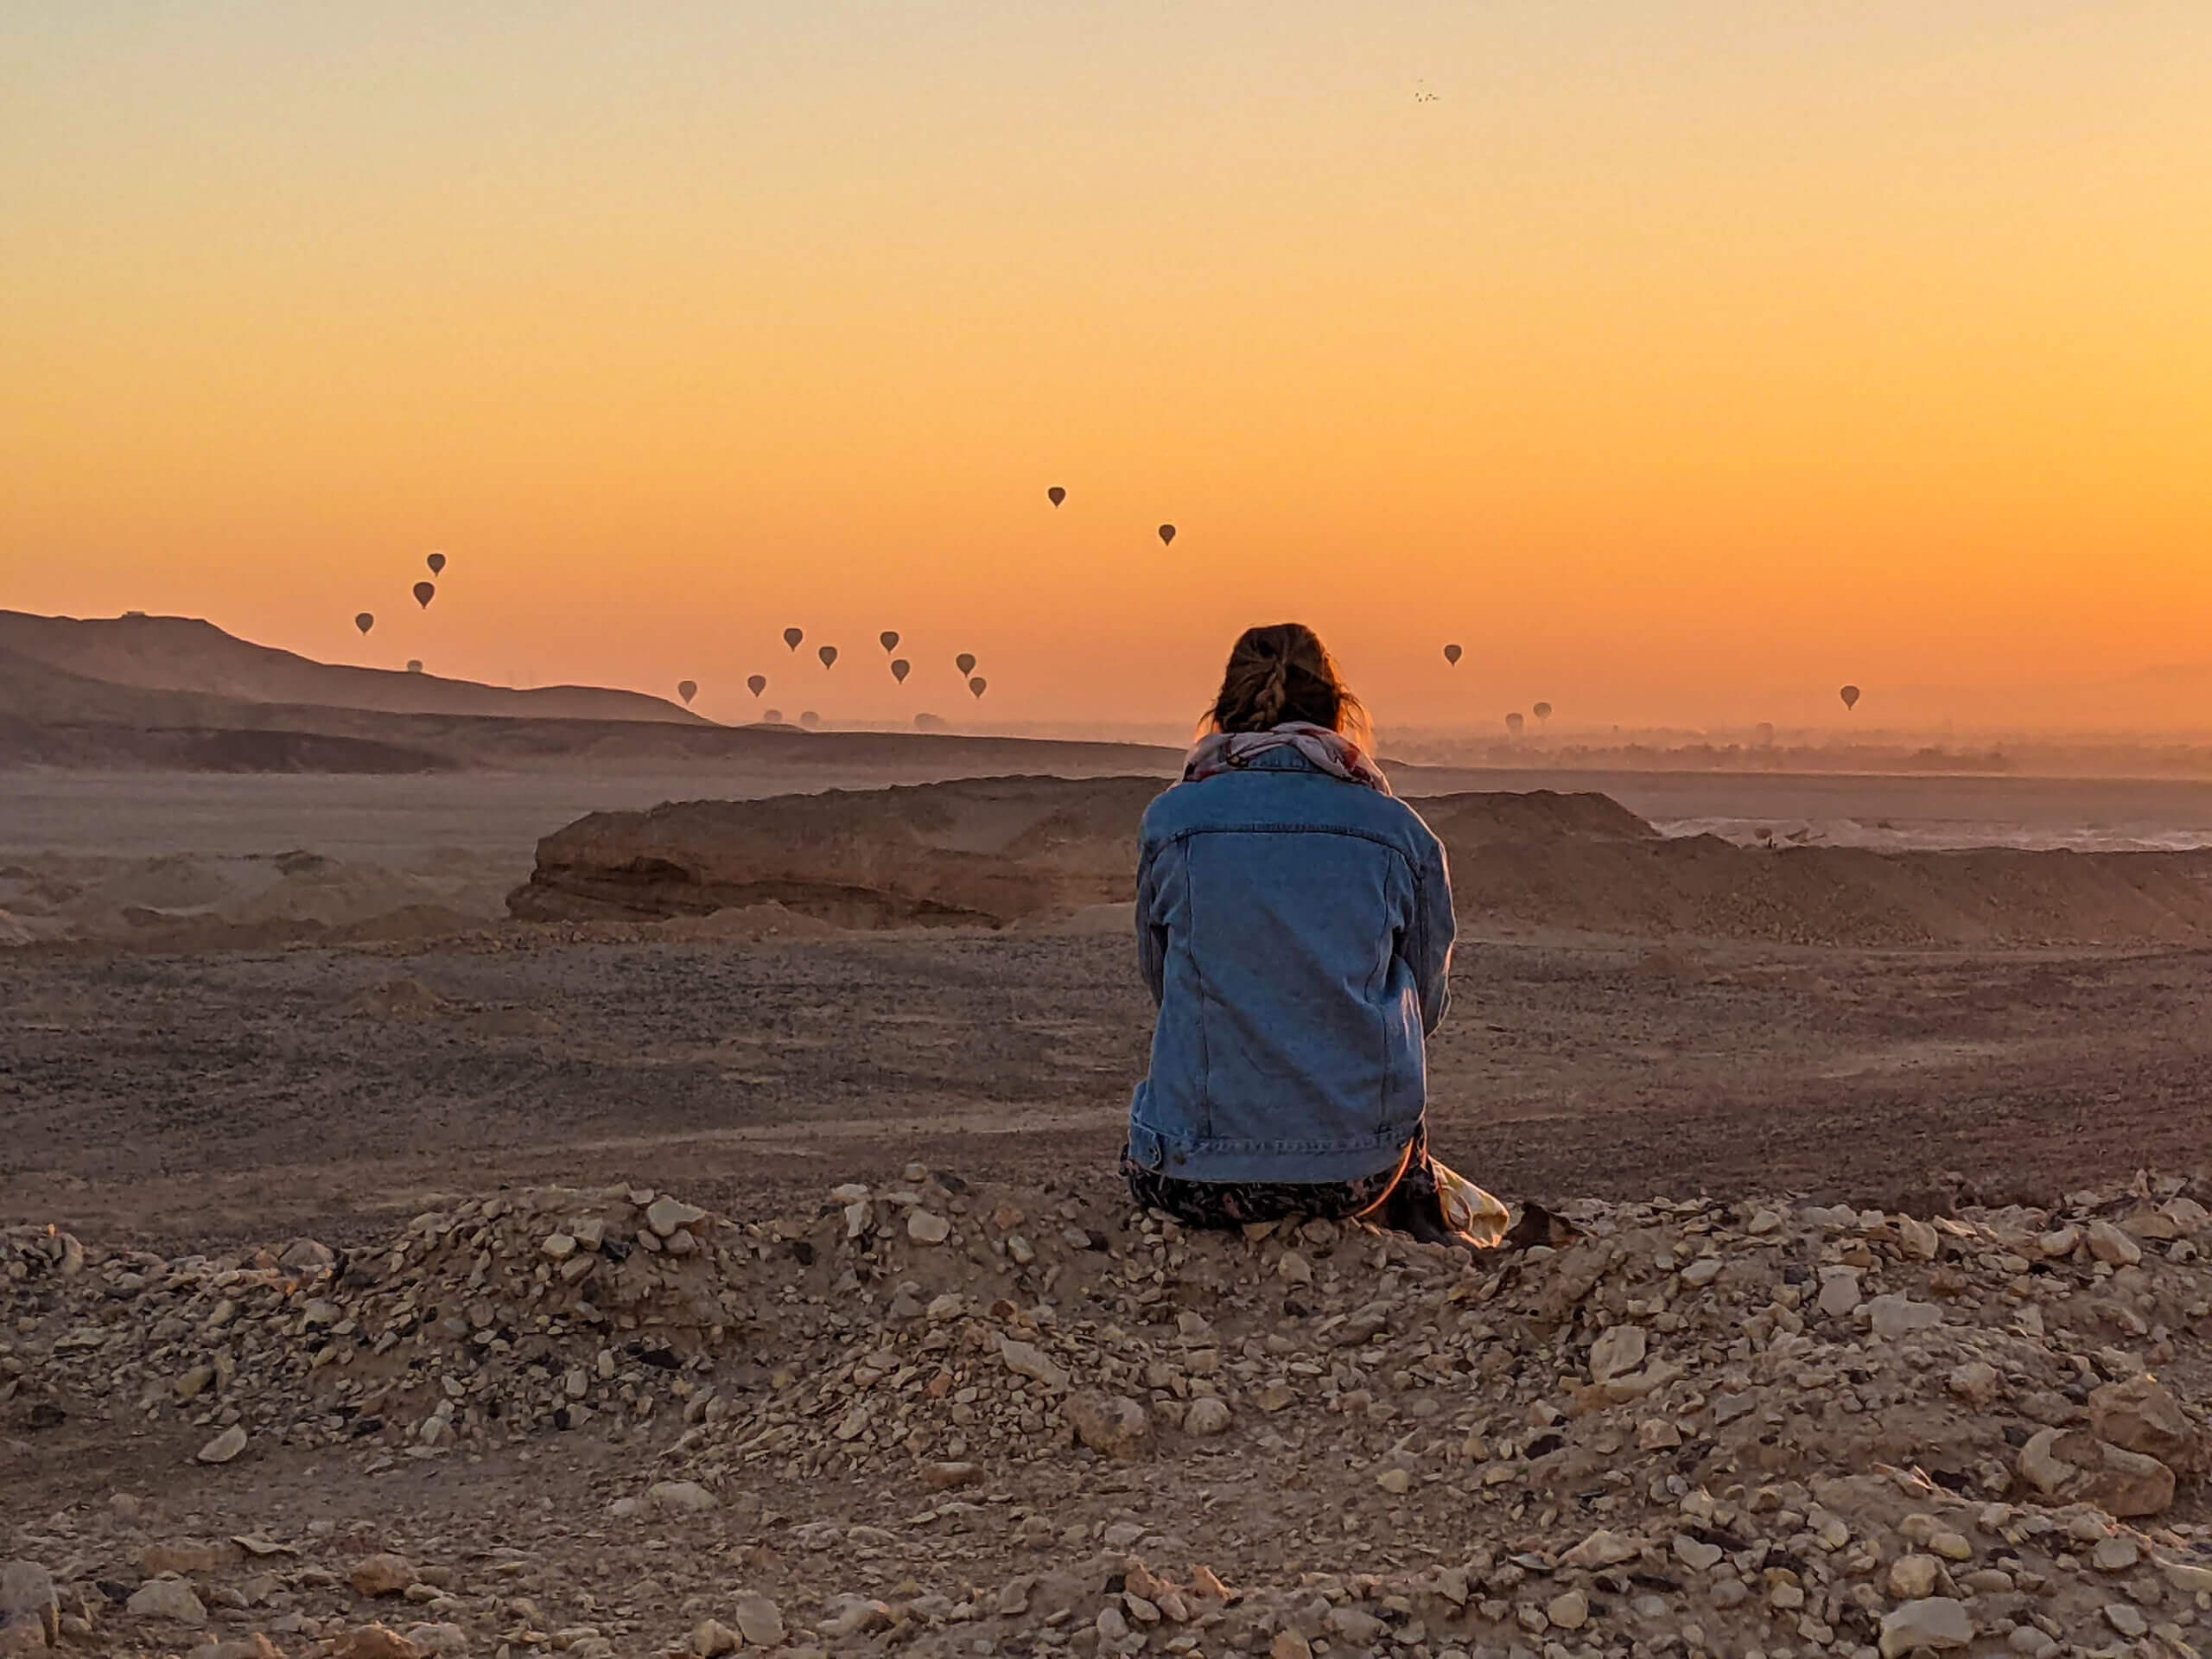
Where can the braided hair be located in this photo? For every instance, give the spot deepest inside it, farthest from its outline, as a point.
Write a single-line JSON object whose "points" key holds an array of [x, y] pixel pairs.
{"points": [[1282, 672]]}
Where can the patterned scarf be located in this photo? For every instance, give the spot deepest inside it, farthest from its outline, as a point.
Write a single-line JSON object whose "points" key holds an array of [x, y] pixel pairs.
{"points": [[1332, 752]]}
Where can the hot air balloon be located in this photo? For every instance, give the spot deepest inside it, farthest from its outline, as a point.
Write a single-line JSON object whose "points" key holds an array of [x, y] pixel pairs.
{"points": [[1451, 655], [1850, 694], [687, 689], [437, 563], [757, 684], [773, 716], [889, 640], [365, 621], [901, 668], [1167, 534], [977, 684], [1514, 723], [810, 719], [792, 636], [414, 665], [1056, 495], [424, 593], [828, 656], [965, 662], [1542, 712]]}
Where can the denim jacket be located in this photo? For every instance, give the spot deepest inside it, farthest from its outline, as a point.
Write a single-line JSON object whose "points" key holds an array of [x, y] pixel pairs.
{"points": [[1296, 931]]}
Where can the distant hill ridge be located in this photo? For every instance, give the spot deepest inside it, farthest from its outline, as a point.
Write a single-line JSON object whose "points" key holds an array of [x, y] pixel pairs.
{"points": [[182, 653]]}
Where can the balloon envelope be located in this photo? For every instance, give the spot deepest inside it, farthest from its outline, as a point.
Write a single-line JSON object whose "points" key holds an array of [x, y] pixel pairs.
{"points": [[1514, 723], [757, 684], [687, 689], [1056, 495], [792, 636], [1451, 654], [901, 668], [414, 665], [365, 621], [1850, 694], [424, 593], [965, 662], [978, 685], [889, 640], [828, 656], [1542, 711], [1167, 534], [810, 718], [437, 563]]}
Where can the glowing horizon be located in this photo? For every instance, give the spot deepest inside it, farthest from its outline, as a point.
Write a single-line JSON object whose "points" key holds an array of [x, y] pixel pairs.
{"points": [[1682, 363]]}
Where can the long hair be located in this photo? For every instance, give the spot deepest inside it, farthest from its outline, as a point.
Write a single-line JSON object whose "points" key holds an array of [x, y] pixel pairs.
{"points": [[1283, 672]]}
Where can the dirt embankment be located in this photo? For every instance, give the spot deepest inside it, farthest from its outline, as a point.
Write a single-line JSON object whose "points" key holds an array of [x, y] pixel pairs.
{"points": [[989, 851], [1007, 850]]}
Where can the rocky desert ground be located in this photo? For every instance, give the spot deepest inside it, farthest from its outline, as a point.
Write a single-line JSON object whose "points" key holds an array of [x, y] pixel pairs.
{"points": [[485, 1212]]}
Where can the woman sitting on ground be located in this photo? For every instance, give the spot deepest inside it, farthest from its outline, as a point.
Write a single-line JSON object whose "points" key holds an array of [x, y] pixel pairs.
{"points": [[1294, 924]]}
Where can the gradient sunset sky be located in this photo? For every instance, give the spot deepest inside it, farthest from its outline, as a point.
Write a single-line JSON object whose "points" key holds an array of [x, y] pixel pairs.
{"points": [[1682, 361]]}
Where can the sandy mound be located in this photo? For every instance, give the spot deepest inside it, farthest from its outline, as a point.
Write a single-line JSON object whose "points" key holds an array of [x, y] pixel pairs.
{"points": [[948, 1417], [176, 653], [990, 851], [1034, 850], [190, 901]]}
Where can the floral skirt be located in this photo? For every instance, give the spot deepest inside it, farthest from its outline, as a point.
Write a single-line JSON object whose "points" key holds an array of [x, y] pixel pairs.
{"points": [[1418, 1196]]}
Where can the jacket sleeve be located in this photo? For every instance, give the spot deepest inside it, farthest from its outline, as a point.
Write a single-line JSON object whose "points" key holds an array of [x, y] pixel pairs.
{"points": [[1429, 944], [1152, 936]]}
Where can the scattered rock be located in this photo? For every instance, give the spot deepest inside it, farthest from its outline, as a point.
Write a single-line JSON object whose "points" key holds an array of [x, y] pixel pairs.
{"points": [[167, 1598], [665, 1215], [224, 1447], [374, 1642], [1914, 1578], [1111, 1424], [1209, 1416], [382, 1575], [682, 1497], [1935, 1622], [2140, 1414], [758, 1620], [2110, 1245], [1618, 1350]]}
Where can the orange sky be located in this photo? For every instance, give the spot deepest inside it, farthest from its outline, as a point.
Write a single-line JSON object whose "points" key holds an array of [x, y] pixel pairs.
{"points": [[1681, 360]]}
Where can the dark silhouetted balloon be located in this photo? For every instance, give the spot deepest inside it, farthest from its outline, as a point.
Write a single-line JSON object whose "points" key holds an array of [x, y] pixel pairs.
{"points": [[1056, 495], [977, 685], [687, 689], [424, 593], [810, 718], [1167, 534], [965, 662], [414, 665], [1850, 694], [757, 683], [1542, 711], [828, 656], [901, 668], [1514, 723], [1451, 655], [437, 563], [794, 636], [773, 716], [889, 640], [365, 621]]}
